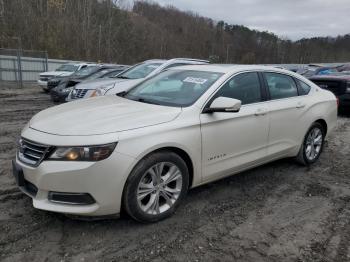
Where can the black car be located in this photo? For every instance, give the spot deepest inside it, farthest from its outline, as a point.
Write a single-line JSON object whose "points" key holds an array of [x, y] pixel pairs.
{"points": [[339, 85], [65, 85]]}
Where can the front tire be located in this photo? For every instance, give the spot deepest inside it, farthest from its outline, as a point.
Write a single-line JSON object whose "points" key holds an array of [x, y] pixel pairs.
{"points": [[312, 145], [156, 187]]}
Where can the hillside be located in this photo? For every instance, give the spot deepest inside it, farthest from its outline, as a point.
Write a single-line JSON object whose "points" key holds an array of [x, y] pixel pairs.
{"points": [[98, 30]]}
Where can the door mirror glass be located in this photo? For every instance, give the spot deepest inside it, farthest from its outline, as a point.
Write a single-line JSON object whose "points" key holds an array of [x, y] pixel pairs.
{"points": [[224, 104]]}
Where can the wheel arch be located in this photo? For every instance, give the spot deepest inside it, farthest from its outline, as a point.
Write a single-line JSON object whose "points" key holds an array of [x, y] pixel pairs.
{"points": [[322, 122], [183, 153]]}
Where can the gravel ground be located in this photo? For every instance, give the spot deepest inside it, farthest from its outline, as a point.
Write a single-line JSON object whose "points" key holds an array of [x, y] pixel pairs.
{"points": [[277, 212]]}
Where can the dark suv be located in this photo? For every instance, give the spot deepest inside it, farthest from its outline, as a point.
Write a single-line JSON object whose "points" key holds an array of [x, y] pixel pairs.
{"points": [[65, 85], [338, 85]]}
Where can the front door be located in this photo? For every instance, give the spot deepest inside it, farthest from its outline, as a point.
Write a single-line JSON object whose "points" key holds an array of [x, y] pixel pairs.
{"points": [[234, 141]]}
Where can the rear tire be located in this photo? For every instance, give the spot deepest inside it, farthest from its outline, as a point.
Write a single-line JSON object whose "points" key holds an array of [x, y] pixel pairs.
{"points": [[312, 145], [156, 187]]}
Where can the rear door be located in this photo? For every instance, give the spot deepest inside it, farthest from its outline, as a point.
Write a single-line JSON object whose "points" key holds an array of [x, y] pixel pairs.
{"points": [[286, 109]]}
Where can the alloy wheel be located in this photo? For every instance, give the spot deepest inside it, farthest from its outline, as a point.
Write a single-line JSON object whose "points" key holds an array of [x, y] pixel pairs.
{"points": [[313, 143], [159, 188]]}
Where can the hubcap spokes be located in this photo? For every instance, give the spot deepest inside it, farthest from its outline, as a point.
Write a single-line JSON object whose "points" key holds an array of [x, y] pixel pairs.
{"points": [[313, 144], [159, 188]]}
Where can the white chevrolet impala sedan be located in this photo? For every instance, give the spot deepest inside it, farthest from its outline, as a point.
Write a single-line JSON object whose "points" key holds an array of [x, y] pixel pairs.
{"points": [[142, 150]]}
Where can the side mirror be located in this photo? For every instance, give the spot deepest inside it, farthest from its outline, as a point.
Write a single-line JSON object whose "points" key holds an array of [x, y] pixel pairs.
{"points": [[224, 104]]}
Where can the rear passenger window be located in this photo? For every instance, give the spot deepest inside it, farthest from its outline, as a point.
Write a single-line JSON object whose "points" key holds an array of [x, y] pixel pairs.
{"points": [[304, 88], [280, 86], [244, 87]]}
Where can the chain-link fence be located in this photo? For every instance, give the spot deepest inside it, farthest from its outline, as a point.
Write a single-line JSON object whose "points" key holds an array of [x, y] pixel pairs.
{"points": [[20, 66]]}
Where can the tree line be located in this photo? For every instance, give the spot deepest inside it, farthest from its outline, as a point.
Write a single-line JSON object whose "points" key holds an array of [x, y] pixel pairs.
{"points": [[101, 30]]}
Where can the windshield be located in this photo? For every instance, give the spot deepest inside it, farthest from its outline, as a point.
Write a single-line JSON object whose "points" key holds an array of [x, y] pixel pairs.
{"points": [[68, 68], [114, 73], [98, 74], [177, 88], [140, 71], [86, 71]]}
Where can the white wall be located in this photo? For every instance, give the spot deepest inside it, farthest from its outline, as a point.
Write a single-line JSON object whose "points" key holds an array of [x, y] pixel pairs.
{"points": [[31, 67]]}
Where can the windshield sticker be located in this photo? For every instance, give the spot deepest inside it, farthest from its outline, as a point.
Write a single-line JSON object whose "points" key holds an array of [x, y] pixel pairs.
{"points": [[195, 80], [152, 66]]}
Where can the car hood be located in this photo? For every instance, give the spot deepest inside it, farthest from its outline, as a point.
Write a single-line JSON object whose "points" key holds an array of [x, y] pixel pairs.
{"points": [[93, 84], [56, 73], [101, 115], [123, 86]]}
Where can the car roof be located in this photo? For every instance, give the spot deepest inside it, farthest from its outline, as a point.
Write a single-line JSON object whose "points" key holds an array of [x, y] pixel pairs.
{"points": [[79, 63], [155, 61], [174, 60], [229, 68]]}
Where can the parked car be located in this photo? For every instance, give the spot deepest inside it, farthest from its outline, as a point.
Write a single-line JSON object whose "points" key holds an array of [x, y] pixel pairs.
{"points": [[54, 82], [339, 85], [63, 71], [129, 78], [185, 127], [61, 91], [316, 69], [343, 68]]}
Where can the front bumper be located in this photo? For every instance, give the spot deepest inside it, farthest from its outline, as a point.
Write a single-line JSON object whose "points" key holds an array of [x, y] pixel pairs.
{"points": [[43, 84], [58, 96], [103, 181]]}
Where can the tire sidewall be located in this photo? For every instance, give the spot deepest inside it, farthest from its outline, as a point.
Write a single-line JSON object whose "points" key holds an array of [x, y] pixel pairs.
{"points": [[130, 193]]}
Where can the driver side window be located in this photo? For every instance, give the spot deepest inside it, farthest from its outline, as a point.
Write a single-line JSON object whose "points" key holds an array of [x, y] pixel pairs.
{"points": [[244, 87]]}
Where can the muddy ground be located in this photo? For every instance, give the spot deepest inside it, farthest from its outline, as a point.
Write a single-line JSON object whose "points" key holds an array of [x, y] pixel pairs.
{"points": [[278, 212]]}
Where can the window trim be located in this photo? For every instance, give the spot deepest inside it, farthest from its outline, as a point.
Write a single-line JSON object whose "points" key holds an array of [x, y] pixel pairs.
{"points": [[263, 93]]}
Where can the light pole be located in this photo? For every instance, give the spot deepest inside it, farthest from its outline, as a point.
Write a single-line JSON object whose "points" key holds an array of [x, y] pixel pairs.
{"points": [[227, 51], [19, 54]]}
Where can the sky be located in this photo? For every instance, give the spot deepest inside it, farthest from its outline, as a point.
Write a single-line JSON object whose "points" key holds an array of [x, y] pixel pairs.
{"points": [[292, 19]]}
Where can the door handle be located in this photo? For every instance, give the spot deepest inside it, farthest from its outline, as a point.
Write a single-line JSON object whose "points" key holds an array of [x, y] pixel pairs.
{"points": [[260, 112], [300, 105]]}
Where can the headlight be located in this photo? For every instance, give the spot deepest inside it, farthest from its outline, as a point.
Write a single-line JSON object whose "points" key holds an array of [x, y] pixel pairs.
{"points": [[84, 153], [73, 92], [100, 91]]}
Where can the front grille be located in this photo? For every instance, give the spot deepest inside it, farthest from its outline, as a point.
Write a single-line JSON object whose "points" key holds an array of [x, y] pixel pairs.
{"points": [[79, 93], [32, 153], [53, 83]]}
